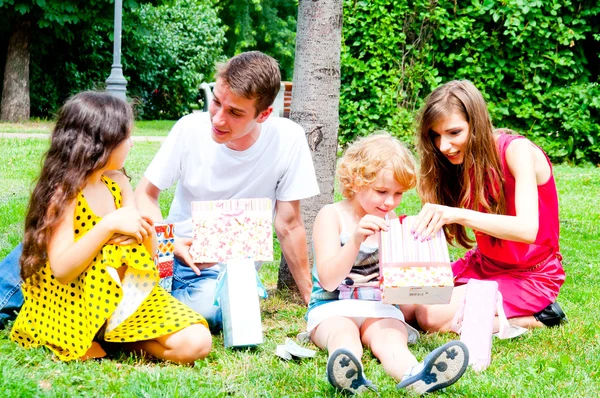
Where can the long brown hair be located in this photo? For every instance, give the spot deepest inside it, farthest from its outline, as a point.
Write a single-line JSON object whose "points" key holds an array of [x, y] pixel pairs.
{"points": [[477, 183], [89, 127]]}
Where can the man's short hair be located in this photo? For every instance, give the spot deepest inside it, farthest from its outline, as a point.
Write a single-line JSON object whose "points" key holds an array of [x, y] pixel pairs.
{"points": [[252, 75]]}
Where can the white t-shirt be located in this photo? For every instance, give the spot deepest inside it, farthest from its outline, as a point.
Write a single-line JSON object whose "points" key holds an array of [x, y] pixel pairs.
{"points": [[277, 166]]}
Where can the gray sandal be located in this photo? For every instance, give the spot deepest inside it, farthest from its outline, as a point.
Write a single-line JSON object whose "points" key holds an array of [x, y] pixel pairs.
{"points": [[441, 368], [345, 373]]}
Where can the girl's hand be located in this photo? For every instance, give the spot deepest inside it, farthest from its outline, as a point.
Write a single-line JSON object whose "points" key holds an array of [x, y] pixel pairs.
{"points": [[122, 240], [128, 221], [431, 219], [369, 225]]}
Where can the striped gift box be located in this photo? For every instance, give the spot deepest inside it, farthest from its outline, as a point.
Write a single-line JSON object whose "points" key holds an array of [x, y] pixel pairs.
{"points": [[412, 271], [233, 229]]}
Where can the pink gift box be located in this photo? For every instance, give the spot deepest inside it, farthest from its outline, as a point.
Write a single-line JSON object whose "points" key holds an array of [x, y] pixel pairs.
{"points": [[233, 229], [412, 271]]}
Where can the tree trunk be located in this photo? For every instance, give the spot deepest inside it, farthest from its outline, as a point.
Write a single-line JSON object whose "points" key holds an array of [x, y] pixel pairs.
{"points": [[15, 94], [315, 102]]}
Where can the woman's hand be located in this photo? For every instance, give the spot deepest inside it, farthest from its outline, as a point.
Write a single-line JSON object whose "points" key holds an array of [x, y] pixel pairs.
{"points": [[367, 226], [431, 219]]}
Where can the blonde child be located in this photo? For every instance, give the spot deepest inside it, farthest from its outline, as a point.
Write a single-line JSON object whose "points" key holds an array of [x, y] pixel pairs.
{"points": [[88, 273], [345, 311]]}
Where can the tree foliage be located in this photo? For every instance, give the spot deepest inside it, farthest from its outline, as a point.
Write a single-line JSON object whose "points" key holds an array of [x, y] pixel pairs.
{"points": [[169, 51], [536, 63], [265, 25]]}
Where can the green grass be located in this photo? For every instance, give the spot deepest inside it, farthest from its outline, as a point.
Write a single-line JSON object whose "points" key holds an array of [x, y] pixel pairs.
{"points": [[560, 362], [140, 128]]}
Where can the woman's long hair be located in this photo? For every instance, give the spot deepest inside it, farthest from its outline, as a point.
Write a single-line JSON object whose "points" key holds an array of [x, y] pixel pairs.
{"points": [[89, 127], [477, 183]]}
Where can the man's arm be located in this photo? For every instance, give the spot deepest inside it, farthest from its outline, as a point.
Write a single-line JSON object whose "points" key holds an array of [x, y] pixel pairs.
{"points": [[292, 238], [146, 198]]}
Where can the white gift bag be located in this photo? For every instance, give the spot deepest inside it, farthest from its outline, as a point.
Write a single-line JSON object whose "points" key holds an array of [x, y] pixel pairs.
{"points": [[238, 290]]}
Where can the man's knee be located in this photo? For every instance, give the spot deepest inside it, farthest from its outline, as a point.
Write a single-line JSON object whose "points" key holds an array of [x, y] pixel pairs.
{"points": [[202, 304]]}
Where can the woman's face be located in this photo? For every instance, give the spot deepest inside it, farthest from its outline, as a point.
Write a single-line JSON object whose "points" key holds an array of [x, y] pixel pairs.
{"points": [[450, 137]]}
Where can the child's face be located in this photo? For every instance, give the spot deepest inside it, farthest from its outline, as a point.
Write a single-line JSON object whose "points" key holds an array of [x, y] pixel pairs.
{"points": [[382, 196], [119, 155], [450, 137]]}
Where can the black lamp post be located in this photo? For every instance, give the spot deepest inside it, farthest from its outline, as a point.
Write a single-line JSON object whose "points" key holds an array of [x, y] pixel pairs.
{"points": [[115, 84]]}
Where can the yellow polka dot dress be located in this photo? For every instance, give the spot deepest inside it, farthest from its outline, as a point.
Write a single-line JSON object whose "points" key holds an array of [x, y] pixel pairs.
{"points": [[67, 318]]}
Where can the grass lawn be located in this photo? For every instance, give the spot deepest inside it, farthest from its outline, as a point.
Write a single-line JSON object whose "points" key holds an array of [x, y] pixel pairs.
{"points": [[140, 128], [559, 362]]}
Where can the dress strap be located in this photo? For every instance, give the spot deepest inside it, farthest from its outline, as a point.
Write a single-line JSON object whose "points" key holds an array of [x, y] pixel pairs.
{"points": [[114, 189], [341, 217]]}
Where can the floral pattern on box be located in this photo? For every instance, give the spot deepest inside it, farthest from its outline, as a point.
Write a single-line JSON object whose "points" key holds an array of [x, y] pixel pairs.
{"points": [[412, 271], [417, 276], [232, 230], [165, 235]]}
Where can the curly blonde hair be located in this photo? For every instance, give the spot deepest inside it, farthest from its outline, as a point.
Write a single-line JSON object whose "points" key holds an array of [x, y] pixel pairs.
{"points": [[366, 156]]}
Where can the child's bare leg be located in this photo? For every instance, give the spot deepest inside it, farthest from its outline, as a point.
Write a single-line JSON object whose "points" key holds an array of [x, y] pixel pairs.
{"points": [[95, 351], [184, 346], [341, 337], [438, 318], [338, 332], [409, 312], [388, 339]]}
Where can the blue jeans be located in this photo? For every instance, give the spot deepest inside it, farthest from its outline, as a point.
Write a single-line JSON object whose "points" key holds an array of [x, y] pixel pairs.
{"points": [[11, 297], [197, 292]]}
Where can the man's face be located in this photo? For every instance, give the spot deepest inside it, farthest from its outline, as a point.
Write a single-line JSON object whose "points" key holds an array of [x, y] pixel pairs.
{"points": [[233, 118]]}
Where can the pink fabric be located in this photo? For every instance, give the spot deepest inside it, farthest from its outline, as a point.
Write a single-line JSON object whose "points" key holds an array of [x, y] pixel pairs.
{"points": [[529, 276]]}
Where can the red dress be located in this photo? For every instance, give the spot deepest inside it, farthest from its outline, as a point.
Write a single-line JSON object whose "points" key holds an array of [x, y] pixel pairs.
{"points": [[529, 276]]}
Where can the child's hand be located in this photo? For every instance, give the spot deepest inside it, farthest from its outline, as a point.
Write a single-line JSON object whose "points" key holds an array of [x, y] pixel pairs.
{"points": [[369, 225], [122, 240], [431, 219], [128, 221]]}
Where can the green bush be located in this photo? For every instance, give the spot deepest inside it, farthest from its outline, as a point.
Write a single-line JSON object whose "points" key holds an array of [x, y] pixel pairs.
{"points": [[535, 62], [264, 25], [169, 50]]}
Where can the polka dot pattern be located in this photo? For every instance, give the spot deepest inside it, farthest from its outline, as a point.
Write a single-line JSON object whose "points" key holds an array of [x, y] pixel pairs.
{"points": [[66, 318]]}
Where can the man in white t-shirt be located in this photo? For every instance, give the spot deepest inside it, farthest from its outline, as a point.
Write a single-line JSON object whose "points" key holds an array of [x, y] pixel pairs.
{"points": [[236, 150]]}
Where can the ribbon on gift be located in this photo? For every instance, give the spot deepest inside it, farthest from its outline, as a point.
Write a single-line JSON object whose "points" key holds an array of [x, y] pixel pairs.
{"points": [[260, 288], [227, 215]]}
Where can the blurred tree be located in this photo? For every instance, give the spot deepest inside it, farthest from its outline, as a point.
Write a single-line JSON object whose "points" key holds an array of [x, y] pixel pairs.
{"points": [[56, 17], [264, 25]]}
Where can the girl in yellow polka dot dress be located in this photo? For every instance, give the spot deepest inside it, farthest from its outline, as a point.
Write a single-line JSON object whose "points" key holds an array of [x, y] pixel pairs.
{"points": [[86, 264]]}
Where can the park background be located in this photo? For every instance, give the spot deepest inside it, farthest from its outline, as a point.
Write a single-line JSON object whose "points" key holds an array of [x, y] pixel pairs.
{"points": [[536, 62]]}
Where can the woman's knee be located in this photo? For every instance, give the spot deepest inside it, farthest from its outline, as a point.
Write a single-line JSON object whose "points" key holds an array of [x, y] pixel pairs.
{"points": [[430, 319]]}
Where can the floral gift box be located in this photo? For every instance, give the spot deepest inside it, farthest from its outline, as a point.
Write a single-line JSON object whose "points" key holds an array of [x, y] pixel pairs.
{"points": [[413, 271]]}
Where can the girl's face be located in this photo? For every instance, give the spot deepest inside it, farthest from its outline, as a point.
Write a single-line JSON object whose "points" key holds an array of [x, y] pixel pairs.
{"points": [[450, 137], [119, 155], [382, 196]]}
